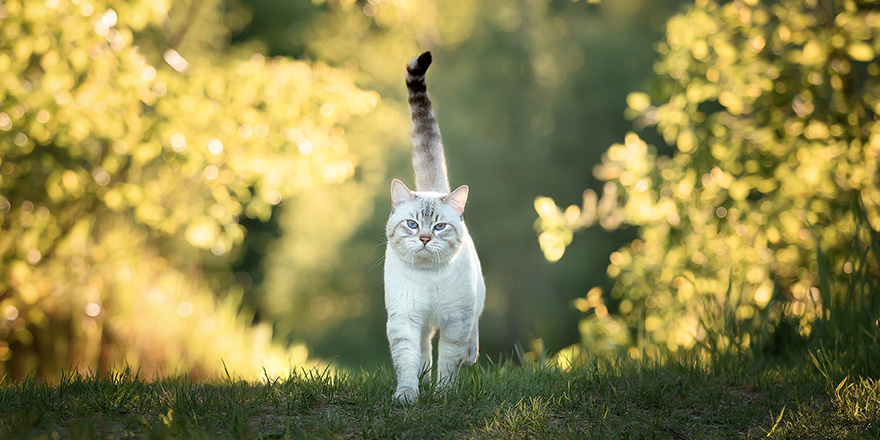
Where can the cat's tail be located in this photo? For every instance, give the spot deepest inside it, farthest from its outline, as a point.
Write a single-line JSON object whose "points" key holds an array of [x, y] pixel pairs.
{"points": [[429, 162]]}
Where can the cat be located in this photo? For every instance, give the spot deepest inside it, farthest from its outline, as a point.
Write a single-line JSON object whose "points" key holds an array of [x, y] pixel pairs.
{"points": [[433, 278]]}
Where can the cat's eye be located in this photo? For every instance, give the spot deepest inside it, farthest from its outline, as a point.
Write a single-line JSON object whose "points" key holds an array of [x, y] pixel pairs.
{"points": [[439, 226], [412, 224]]}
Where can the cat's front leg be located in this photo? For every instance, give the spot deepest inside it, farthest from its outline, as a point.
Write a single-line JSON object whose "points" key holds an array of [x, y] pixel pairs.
{"points": [[474, 347], [452, 353], [427, 354], [405, 338]]}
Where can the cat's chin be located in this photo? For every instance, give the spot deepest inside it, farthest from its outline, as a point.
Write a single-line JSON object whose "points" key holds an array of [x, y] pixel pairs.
{"points": [[424, 259]]}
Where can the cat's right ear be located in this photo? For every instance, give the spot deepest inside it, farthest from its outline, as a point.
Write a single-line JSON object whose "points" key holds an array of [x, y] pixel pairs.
{"points": [[399, 193], [457, 199]]}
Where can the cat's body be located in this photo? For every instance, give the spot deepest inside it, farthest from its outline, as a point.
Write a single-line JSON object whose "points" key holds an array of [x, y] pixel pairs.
{"points": [[433, 278]]}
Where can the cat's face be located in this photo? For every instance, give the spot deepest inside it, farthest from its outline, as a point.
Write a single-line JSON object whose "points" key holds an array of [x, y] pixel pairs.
{"points": [[425, 229]]}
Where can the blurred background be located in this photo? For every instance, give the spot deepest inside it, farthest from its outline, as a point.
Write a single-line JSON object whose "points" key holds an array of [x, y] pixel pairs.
{"points": [[196, 185]]}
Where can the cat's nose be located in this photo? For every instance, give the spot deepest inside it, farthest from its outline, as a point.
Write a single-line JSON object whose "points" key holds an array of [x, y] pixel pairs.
{"points": [[425, 239]]}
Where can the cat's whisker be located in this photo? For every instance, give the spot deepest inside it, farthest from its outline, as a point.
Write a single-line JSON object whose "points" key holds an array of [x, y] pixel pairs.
{"points": [[377, 263], [383, 242]]}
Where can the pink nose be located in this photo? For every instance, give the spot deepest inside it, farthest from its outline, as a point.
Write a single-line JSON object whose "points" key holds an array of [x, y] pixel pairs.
{"points": [[424, 239]]}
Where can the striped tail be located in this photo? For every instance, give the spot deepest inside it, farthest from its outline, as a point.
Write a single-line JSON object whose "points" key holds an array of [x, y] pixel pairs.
{"points": [[429, 162]]}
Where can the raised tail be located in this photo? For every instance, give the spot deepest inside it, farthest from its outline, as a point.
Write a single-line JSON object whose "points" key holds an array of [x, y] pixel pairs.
{"points": [[429, 162]]}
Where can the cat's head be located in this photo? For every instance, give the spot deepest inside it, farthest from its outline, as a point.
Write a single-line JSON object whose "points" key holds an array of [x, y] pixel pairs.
{"points": [[426, 229]]}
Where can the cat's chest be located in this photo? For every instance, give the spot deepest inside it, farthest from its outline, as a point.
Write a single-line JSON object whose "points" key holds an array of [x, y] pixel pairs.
{"points": [[422, 283], [423, 289]]}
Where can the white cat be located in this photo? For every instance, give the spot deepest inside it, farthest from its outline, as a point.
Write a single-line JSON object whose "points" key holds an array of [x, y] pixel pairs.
{"points": [[433, 279]]}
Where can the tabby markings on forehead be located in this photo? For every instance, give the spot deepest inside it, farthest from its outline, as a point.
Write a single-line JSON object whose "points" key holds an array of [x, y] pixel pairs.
{"points": [[427, 209]]}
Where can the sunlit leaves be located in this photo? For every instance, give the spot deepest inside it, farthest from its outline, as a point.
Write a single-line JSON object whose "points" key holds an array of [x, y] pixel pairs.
{"points": [[133, 141], [772, 109]]}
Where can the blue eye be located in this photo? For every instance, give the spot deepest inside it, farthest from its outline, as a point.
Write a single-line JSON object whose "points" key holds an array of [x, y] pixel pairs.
{"points": [[439, 226], [412, 224]]}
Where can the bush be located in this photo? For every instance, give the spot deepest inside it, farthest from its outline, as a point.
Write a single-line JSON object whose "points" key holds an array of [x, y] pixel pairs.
{"points": [[749, 225]]}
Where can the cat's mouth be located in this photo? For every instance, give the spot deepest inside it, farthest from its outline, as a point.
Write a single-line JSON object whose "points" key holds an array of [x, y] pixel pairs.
{"points": [[426, 252]]}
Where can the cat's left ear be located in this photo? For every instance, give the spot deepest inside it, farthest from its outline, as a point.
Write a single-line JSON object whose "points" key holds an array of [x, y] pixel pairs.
{"points": [[399, 193], [457, 199]]}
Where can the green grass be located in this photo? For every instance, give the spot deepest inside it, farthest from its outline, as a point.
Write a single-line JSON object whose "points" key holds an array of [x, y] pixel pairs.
{"points": [[602, 399]]}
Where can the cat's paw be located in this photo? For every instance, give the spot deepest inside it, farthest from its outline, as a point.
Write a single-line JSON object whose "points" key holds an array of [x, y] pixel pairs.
{"points": [[406, 395]]}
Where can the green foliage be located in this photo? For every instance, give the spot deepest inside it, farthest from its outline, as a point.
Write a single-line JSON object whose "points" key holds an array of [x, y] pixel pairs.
{"points": [[847, 328], [133, 140], [771, 110], [118, 217]]}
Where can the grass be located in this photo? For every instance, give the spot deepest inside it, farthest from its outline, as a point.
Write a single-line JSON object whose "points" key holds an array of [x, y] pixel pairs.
{"points": [[604, 398]]}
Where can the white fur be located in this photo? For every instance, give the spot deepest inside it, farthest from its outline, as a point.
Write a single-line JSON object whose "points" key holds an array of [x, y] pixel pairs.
{"points": [[431, 286]]}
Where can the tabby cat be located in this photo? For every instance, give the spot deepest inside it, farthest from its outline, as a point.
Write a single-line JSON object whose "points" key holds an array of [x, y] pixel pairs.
{"points": [[433, 279]]}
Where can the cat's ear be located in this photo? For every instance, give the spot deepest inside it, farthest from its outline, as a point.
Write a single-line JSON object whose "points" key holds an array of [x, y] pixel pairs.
{"points": [[399, 193], [457, 199]]}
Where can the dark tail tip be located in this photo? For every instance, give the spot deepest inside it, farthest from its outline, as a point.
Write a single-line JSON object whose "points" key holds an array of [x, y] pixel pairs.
{"points": [[424, 60], [419, 66]]}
